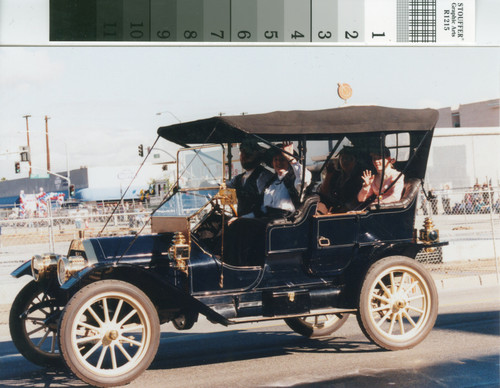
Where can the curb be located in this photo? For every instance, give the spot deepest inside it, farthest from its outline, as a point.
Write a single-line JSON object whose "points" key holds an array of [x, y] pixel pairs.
{"points": [[468, 281]]}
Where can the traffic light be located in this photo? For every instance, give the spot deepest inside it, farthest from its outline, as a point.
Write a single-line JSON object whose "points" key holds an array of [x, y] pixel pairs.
{"points": [[141, 150], [72, 190], [25, 156], [17, 167]]}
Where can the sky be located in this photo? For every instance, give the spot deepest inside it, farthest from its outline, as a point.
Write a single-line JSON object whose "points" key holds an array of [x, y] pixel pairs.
{"points": [[103, 101]]}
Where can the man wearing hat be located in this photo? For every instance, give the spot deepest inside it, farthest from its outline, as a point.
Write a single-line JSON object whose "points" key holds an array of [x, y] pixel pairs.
{"points": [[282, 193], [250, 184]]}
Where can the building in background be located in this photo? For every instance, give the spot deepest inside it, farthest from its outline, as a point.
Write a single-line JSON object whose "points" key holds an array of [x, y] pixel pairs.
{"points": [[465, 146], [90, 184]]}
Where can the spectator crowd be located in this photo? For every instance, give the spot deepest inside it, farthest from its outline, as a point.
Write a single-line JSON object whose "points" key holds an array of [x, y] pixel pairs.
{"points": [[480, 199]]}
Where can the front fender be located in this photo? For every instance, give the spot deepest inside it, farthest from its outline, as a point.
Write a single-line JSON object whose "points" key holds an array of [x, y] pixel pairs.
{"points": [[122, 271], [23, 269], [153, 282]]}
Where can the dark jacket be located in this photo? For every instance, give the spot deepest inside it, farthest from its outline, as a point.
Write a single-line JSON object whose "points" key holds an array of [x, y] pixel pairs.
{"points": [[249, 197]]}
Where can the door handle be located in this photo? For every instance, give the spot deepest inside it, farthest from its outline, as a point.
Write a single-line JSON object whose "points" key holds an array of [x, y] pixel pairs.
{"points": [[323, 241]]}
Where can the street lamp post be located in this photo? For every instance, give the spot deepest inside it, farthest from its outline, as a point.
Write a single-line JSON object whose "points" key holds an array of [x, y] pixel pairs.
{"points": [[170, 113], [168, 153], [68, 179], [67, 170], [175, 117], [47, 141]]}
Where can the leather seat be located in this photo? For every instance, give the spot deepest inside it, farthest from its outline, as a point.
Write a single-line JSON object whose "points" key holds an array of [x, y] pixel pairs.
{"points": [[300, 212], [410, 192]]}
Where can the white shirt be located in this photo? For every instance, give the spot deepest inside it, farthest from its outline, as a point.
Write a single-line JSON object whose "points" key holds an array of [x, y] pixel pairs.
{"points": [[392, 195], [276, 194], [262, 179]]}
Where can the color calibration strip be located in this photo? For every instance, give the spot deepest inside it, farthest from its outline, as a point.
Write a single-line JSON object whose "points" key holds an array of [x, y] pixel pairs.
{"points": [[264, 21]]}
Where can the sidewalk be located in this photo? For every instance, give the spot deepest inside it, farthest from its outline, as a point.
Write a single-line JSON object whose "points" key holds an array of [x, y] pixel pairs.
{"points": [[446, 282]]}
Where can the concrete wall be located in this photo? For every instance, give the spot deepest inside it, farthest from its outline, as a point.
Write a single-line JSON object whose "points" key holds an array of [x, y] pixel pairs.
{"points": [[461, 156]]}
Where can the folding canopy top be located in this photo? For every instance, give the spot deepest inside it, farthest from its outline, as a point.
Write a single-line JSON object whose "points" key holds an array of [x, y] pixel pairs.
{"points": [[294, 125]]}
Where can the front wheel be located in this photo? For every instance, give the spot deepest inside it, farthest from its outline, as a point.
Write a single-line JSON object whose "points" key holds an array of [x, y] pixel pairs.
{"points": [[33, 324], [398, 303], [317, 326], [109, 333]]}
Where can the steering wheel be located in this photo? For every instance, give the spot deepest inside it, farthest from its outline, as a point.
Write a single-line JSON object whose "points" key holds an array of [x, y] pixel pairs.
{"points": [[226, 211]]}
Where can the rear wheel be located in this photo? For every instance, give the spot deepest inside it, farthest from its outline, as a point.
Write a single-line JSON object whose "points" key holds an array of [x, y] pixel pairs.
{"points": [[109, 333], [398, 303], [33, 324], [317, 326]]}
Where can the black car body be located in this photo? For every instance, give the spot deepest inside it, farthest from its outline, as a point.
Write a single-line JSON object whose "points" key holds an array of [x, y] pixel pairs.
{"points": [[316, 269]]}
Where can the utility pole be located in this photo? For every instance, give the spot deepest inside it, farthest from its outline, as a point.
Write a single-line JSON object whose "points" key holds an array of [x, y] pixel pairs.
{"points": [[28, 139], [47, 141]]}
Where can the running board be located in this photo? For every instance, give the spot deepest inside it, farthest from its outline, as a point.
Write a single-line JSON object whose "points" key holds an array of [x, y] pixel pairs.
{"points": [[310, 314]]}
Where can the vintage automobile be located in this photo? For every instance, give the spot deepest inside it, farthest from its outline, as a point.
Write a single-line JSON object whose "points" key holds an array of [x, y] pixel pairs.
{"points": [[99, 307]]}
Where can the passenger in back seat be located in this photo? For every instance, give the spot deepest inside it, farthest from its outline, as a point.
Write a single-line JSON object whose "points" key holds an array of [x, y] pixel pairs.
{"points": [[339, 191], [391, 192]]}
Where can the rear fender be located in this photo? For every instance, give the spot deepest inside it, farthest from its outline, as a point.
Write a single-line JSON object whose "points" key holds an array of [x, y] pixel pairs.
{"points": [[396, 249], [357, 270]]}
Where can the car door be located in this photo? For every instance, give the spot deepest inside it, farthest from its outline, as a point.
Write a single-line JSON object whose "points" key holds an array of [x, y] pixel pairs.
{"points": [[334, 240]]}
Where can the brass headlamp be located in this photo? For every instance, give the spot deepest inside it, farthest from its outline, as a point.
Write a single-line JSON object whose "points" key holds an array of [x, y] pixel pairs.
{"points": [[43, 266], [68, 266]]}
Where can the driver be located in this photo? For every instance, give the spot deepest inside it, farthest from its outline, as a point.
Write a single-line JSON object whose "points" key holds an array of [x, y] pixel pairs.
{"points": [[250, 184]]}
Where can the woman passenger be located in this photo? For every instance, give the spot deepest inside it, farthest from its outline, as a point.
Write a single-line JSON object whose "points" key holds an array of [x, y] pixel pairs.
{"points": [[371, 183]]}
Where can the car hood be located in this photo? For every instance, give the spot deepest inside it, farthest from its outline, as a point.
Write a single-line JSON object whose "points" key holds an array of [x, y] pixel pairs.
{"points": [[142, 248]]}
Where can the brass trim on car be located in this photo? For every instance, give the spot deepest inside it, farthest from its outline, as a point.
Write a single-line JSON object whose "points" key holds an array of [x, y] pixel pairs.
{"points": [[42, 267], [179, 252], [68, 266]]}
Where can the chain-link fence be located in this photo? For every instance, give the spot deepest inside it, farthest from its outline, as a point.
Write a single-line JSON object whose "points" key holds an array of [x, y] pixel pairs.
{"points": [[66, 228], [21, 236], [468, 219]]}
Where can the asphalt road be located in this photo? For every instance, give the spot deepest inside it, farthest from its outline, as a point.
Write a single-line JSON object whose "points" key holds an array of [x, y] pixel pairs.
{"points": [[462, 351]]}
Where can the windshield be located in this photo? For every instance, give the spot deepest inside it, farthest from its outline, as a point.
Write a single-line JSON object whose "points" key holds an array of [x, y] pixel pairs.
{"points": [[185, 204], [201, 167]]}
